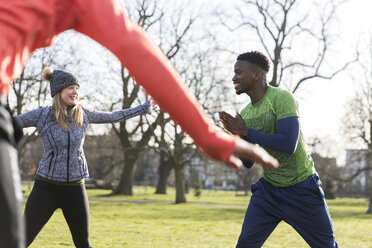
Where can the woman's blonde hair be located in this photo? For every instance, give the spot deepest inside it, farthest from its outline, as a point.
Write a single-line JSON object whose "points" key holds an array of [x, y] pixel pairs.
{"points": [[60, 112]]}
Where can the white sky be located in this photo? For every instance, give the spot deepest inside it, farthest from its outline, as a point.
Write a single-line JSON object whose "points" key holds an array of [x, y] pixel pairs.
{"points": [[323, 106]]}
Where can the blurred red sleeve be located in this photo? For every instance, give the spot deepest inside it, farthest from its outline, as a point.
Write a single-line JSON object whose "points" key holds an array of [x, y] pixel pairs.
{"points": [[26, 25]]}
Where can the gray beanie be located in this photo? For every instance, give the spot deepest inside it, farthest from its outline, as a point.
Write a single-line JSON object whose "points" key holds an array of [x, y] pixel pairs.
{"points": [[58, 79]]}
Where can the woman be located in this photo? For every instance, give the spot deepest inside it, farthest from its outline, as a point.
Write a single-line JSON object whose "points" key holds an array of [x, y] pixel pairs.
{"points": [[59, 181]]}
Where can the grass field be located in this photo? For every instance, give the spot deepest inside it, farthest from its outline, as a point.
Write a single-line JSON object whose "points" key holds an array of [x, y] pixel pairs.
{"points": [[127, 224]]}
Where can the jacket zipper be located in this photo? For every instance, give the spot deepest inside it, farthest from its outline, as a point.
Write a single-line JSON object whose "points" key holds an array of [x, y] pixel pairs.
{"points": [[68, 156]]}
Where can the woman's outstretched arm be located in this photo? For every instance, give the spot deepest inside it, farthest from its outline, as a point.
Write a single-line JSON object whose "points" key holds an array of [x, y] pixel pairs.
{"points": [[117, 116]]}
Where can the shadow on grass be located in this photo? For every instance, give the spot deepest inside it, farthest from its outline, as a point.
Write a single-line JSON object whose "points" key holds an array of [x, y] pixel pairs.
{"points": [[207, 214], [170, 211]]}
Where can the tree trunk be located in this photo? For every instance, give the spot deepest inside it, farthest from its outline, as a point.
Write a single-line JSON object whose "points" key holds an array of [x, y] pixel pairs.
{"points": [[125, 186], [180, 190], [165, 168], [369, 211], [368, 189]]}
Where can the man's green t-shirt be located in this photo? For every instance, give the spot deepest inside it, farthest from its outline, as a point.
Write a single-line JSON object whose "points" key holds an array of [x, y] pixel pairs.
{"points": [[262, 116]]}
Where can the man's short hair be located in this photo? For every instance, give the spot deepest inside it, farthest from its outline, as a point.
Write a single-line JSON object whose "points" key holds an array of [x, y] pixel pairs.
{"points": [[256, 58]]}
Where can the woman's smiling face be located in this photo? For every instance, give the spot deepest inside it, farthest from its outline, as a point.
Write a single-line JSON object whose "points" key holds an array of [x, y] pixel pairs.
{"points": [[70, 95]]}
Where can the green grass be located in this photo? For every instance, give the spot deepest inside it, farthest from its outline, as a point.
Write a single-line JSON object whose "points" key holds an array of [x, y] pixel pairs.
{"points": [[134, 225], [147, 193]]}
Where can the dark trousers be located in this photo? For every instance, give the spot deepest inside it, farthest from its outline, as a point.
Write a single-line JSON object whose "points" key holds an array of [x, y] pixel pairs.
{"points": [[46, 197], [302, 206], [11, 222]]}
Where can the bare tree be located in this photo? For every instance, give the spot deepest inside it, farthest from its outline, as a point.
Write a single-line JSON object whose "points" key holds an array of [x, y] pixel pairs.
{"points": [[357, 127], [179, 155], [296, 37], [134, 136], [201, 75], [165, 163]]}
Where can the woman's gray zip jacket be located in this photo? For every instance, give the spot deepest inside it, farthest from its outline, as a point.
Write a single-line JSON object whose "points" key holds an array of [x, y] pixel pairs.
{"points": [[64, 159]]}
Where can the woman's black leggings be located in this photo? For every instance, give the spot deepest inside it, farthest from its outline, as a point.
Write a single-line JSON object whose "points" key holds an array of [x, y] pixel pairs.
{"points": [[45, 198]]}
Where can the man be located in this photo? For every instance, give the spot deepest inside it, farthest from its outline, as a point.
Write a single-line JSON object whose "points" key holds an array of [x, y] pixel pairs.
{"points": [[292, 192], [26, 25]]}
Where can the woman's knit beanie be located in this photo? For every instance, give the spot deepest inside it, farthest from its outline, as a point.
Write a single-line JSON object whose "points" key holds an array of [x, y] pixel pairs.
{"points": [[58, 79]]}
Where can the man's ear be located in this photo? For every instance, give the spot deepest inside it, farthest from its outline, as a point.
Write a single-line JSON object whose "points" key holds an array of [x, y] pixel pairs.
{"points": [[257, 76]]}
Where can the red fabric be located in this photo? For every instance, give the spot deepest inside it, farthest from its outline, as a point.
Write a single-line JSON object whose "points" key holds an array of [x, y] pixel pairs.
{"points": [[26, 25]]}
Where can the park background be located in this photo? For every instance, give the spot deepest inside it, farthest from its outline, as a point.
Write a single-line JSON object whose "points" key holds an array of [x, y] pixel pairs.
{"points": [[319, 50]]}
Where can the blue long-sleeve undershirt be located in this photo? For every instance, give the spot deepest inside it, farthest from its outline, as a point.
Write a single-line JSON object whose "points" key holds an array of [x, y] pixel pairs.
{"points": [[285, 140]]}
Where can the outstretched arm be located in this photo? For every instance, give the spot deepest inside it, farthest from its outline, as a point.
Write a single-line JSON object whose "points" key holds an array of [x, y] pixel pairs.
{"points": [[34, 23], [28, 119], [117, 116]]}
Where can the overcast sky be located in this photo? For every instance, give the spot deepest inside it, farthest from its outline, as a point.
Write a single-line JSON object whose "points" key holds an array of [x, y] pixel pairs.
{"points": [[323, 107]]}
